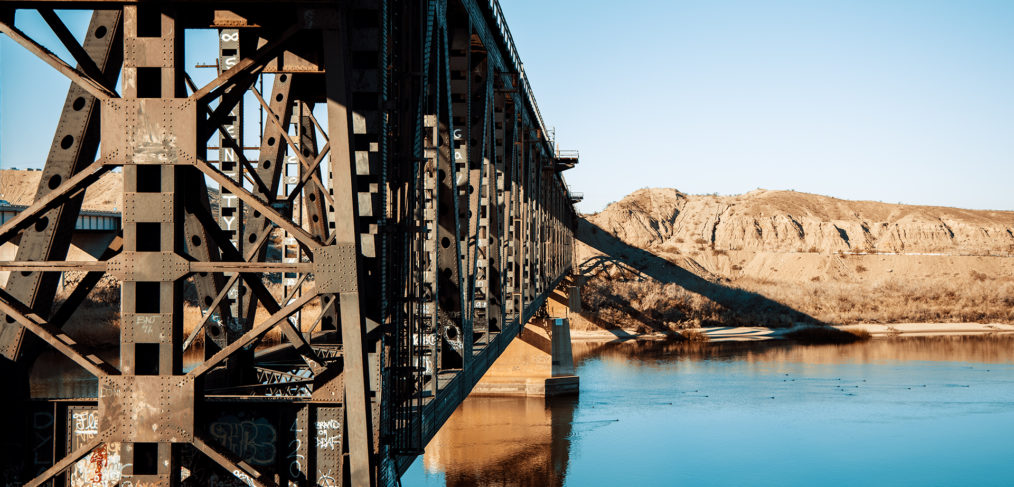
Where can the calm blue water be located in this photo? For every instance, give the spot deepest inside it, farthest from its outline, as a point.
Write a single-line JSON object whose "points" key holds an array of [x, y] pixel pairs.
{"points": [[914, 411]]}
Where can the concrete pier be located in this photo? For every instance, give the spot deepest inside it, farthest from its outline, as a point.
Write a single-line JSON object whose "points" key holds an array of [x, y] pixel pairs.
{"points": [[540, 362]]}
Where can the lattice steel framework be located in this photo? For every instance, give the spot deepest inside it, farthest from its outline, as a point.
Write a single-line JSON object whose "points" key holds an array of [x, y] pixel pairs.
{"points": [[423, 220]]}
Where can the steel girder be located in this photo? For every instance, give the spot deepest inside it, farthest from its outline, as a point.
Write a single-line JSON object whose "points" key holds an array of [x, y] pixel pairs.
{"points": [[422, 219]]}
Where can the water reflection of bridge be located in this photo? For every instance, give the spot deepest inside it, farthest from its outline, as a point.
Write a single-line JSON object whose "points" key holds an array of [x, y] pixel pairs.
{"points": [[508, 441], [517, 441]]}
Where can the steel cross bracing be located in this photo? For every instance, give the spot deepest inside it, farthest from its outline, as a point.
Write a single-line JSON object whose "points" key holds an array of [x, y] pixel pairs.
{"points": [[400, 214]]}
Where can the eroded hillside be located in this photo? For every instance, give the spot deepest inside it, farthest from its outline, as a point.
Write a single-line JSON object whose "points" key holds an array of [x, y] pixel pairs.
{"points": [[791, 257], [788, 221]]}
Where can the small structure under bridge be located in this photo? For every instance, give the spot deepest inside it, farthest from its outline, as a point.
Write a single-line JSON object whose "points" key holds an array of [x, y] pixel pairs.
{"points": [[399, 217]]}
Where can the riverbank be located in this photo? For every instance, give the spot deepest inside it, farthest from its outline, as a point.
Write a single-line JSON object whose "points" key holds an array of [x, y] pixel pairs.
{"points": [[754, 333]]}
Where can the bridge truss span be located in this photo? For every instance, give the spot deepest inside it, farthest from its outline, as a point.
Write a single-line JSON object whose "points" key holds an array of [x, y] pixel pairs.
{"points": [[321, 249]]}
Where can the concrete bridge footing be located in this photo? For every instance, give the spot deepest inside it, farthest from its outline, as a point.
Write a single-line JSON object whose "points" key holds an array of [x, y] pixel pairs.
{"points": [[540, 362]]}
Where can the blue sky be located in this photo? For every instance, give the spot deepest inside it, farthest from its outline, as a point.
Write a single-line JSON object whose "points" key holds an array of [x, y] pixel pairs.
{"points": [[898, 101]]}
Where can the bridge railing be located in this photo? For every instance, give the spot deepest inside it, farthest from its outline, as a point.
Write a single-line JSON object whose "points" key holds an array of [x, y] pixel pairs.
{"points": [[512, 53]]}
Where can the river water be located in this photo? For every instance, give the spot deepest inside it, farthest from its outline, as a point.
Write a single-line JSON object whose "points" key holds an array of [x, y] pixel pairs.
{"points": [[905, 411]]}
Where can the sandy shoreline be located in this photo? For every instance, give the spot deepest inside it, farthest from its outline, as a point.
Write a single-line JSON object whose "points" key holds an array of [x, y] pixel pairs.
{"points": [[754, 333]]}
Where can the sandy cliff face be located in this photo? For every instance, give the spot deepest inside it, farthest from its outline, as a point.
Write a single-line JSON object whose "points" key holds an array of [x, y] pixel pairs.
{"points": [[663, 259], [787, 221]]}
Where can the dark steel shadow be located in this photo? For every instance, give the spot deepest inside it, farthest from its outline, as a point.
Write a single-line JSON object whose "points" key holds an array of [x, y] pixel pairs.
{"points": [[753, 308]]}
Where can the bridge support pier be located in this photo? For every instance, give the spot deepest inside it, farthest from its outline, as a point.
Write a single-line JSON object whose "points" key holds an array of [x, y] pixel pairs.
{"points": [[540, 362]]}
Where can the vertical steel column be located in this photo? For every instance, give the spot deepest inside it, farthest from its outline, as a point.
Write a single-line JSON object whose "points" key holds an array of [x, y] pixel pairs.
{"points": [[152, 290], [528, 167], [511, 195], [474, 309], [540, 210], [353, 323], [494, 204], [453, 178], [366, 71], [517, 221], [438, 195], [427, 337]]}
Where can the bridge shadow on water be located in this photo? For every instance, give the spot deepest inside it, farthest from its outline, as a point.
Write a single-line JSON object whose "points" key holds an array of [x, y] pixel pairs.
{"points": [[752, 309]]}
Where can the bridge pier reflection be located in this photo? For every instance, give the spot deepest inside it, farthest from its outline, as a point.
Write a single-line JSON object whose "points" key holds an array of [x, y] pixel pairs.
{"points": [[505, 440]]}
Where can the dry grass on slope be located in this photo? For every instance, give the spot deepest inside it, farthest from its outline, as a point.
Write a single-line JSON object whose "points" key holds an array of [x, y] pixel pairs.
{"points": [[897, 300], [642, 304]]}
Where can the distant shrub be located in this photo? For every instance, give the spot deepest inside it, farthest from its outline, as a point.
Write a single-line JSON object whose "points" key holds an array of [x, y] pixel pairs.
{"points": [[700, 241], [693, 336], [860, 268], [821, 335]]}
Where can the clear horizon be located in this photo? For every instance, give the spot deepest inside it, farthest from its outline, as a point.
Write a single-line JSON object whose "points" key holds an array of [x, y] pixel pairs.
{"points": [[896, 101]]}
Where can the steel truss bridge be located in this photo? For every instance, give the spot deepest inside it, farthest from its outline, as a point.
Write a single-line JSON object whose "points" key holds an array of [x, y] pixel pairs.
{"points": [[399, 216]]}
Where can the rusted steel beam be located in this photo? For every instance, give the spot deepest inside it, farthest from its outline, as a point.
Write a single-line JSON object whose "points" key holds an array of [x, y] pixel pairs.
{"points": [[346, 211], [260, 205], [497, 207], [242, 470], [32, 322], [54, 266], [65, 462], [452, 182], [219, 300], [199, 247], [308, 166], [84, 61], [70, 189], [197, 266], [253, 334], [480, 89], [251, 267], [315, 199], [95, 87], [69, 167], [244, 67], [153, 226]]}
